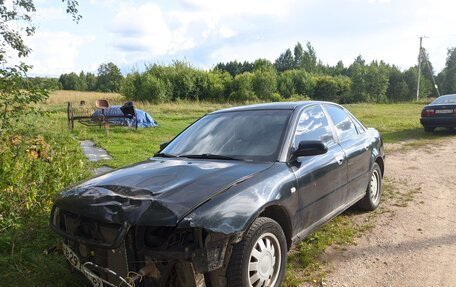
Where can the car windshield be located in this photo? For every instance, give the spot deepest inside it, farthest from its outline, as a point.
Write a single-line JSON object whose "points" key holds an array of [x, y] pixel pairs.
{"points": [[254, 135], [443, 100]]}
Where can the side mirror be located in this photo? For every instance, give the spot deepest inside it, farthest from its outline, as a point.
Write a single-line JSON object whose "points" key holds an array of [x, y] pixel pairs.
{"points": [[163, 145], [307, 148]]}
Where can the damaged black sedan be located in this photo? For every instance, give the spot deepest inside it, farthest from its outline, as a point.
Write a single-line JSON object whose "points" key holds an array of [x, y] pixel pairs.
{"points": [[222, 203]]}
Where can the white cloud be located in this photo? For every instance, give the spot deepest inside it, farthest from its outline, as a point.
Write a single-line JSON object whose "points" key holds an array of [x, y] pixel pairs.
{"points": [[238, 7], [247, 52], [148, 30], [210, 31], [50, 13], [379, 1], [54, 53], [142, 31]]}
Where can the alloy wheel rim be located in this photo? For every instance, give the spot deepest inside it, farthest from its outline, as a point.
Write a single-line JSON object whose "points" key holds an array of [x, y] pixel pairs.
{"points": [[374, 186], [265, 261]]}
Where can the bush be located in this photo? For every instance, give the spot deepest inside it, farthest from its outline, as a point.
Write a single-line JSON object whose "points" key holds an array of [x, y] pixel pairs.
{"points": [[32, 171], [328, 88], [242, 89], [264, 84]]}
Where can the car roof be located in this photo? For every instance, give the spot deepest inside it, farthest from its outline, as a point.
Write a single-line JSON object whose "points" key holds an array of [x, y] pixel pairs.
{"points": [[272, 106], [447, 96], [443, 97]]}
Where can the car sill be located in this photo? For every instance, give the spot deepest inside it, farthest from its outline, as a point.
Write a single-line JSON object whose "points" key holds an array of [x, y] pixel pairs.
{"points": [[303, 234]]}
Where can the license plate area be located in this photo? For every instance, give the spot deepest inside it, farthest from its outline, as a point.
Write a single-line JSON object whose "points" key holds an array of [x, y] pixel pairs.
{"points": [[73, 258], [446, 111]]}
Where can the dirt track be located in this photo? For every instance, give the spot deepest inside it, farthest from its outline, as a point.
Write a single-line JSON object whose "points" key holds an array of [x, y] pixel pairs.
{"points": [[413, 242]]}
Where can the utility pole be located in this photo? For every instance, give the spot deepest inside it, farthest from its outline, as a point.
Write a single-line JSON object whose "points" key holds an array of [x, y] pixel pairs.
{"points": [[431, 72], [419, 70]]}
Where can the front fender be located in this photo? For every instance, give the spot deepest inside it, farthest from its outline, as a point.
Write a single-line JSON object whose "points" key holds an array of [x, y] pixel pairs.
{"points": [[234, 210]]}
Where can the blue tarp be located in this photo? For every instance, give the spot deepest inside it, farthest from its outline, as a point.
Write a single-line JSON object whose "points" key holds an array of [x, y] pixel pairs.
{"points": [[144, 119]]}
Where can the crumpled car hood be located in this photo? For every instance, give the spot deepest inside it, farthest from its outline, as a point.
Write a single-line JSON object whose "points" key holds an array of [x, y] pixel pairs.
{"points": [[155, 192]]}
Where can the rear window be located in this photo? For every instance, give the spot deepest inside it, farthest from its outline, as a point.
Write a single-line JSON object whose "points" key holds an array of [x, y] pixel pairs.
{"points": [[443, 100]]}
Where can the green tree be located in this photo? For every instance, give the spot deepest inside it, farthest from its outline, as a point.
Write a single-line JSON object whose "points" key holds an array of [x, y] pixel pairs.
{"points": [[285, 61], [235, 67], [131, 86], [264, 84], [369, 82], [91, 81], [70, 81], [242, 88], [285, 84], [303, 82], [309, 59], [448, 75], [82, 82], [298, 53], [263, 65], [153, 89], [398, 89], [376, 82], [328, 88], [15, 24], [109, 78], [183, 81], [410, 77]]}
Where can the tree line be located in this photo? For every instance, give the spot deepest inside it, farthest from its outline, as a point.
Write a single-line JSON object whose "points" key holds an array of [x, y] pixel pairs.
{"points": [[107, 79], [296, 74]]}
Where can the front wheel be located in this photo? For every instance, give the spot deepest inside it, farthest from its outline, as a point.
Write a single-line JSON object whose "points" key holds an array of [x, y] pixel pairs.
{"points": [[371, 200], [260, 258]]}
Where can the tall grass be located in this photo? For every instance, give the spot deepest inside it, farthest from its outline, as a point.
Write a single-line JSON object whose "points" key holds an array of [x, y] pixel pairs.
{"points": [[36, 162], [61, 97]]}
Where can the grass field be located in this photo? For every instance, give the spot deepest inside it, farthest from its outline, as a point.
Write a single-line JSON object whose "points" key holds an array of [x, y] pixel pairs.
{"points": [[396, 122], [22, 262]]}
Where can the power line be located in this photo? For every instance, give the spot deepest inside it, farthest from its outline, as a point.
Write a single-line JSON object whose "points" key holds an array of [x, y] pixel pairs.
{"points": [[421, 54], [430, 71]]}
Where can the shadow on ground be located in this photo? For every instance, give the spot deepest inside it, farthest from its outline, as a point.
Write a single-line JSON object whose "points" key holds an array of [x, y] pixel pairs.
{"points": [[415, 134]]}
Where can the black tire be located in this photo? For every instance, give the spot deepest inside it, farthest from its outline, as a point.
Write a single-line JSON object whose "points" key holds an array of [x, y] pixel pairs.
{"points": [[263, 232], [371, 200], [428, 129]]}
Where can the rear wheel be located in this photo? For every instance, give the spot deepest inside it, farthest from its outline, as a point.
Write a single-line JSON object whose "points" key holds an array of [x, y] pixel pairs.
{"points": [[260, 258], [428, 129], [374, 190]]}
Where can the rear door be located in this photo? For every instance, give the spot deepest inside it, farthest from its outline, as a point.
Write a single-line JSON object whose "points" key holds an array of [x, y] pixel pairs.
{"points": [[321, 178], [355, 142]]}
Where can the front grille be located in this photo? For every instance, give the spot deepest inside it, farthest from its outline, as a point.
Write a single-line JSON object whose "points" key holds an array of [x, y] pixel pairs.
{"points": [[87, 230], [94, 244]]}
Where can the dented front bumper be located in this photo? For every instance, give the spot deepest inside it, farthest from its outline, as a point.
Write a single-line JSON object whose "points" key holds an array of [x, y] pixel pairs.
{"points": [[123, 253]]}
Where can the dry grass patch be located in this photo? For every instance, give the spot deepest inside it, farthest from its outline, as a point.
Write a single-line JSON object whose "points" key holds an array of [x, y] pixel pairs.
{"points": [[62, 97]]}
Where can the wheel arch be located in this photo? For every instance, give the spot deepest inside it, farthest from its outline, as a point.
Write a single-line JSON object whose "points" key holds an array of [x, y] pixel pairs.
{"points": [[280, 215], [379, 160]]}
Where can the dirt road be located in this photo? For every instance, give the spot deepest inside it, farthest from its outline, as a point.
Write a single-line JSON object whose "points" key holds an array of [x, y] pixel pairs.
{"points": [[413, 242]]}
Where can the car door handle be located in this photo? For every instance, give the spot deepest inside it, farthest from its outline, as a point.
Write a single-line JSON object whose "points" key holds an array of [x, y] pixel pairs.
{"points": [[340, 159], [366, 146]]}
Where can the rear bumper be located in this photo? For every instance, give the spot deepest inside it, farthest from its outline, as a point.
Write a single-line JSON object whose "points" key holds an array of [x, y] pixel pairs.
{"points": [[438, 121]]}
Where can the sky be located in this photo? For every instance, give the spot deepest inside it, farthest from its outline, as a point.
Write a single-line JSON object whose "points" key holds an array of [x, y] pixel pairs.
{"points": [[134, 33]]}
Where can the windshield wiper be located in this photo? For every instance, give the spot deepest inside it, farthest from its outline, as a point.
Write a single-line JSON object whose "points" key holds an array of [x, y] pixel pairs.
{"points": [[162, 154], [209, 156]]}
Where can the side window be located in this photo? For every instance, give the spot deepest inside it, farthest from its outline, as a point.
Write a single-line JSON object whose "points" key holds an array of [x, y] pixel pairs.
{"points": [[344, 125], [313, 125], [358, 125]]}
